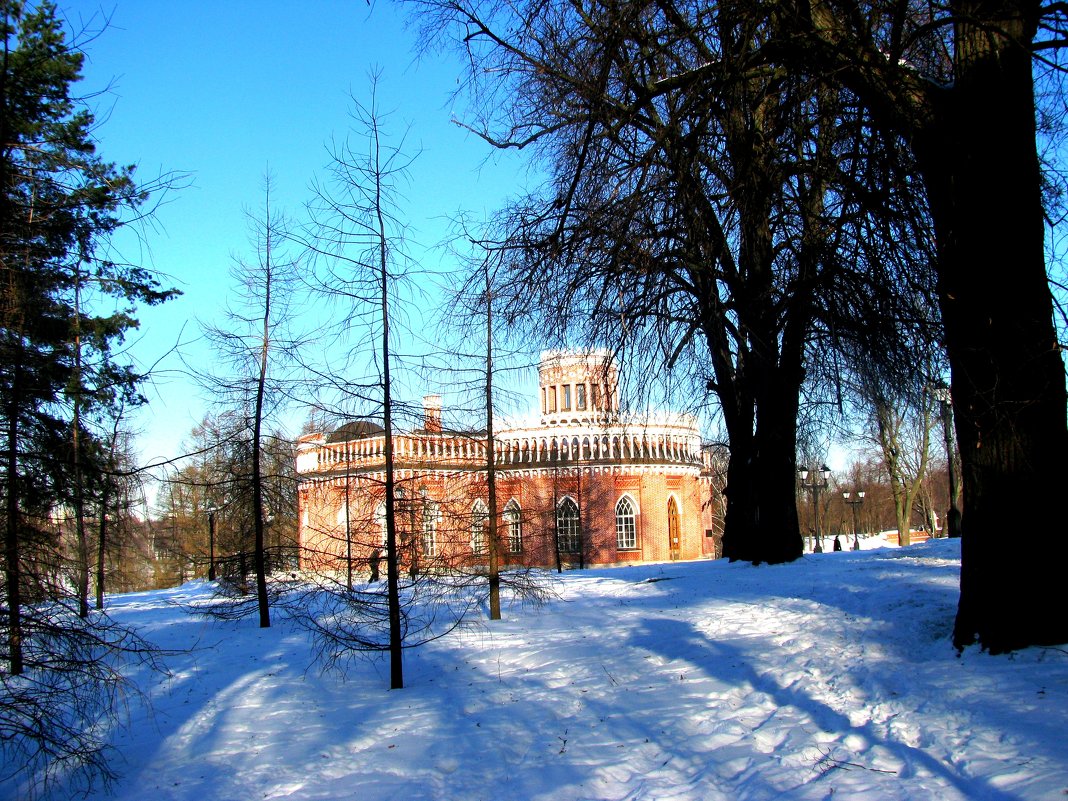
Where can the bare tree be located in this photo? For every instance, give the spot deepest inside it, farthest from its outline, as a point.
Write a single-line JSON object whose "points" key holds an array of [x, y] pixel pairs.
{"points": [[358, 242], [702, 232], [491, 474], [258, 343], [903, 434], [956, 82], [66, 299]]}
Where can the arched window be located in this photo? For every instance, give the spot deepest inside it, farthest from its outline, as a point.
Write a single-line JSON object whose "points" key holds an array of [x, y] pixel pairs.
{"points": [[513, 519], [479, 516], [568, 528], [626, 529], [673, 527], [431, 516]]}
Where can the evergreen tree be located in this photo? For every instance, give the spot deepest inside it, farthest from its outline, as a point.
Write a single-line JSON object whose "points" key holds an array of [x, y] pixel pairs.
{"points": [[59, 205], [59, 202]]}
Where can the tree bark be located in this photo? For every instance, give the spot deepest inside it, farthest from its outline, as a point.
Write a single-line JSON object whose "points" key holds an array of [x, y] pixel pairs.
{"points": [[974, 140], [760, 523], [491, 472], [396, 636], [981, 168], [102, 539], [779, 530], [257, 434]]}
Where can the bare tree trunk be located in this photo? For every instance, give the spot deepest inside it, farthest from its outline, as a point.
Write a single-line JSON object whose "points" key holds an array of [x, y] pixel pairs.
{"points": [[82, 540], [396, 667], [107, 493], [491, 472], [101, 543], [905, 476], [257, 429], [348, 521], [1008, 384], [952, 523], [974, 140]]}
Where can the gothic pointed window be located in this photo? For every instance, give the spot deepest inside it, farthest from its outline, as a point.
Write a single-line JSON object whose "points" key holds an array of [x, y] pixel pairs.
{"points": [[673, 527], [479, 518], [513, 521], [568, 527], [626, 527]]}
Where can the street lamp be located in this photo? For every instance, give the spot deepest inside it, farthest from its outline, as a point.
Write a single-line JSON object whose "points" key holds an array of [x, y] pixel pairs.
{"points": [[854, 502], [818, 482], [211, 543]]}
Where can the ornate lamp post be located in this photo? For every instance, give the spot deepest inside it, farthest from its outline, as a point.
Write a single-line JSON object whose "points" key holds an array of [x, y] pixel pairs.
{"points": [[854, 502], [818, 482]]}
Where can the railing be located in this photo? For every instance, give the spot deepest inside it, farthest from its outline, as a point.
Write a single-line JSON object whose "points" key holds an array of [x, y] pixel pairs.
{"points": [[542, 451]]}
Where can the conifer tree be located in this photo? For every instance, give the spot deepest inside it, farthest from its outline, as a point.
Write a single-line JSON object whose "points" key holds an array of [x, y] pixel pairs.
{"points": [[59, 205], [59, 202]]}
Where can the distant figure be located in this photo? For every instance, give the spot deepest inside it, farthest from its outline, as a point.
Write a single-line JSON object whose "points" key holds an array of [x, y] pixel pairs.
{"points": [[837, 543], [376, 557]]}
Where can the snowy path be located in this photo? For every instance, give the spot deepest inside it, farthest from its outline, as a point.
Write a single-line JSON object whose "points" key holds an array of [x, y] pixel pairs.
{"points": [[829, 678]]}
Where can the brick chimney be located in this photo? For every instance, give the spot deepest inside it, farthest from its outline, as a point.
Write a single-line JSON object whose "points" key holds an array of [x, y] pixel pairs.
{"points": [[432, 414]]}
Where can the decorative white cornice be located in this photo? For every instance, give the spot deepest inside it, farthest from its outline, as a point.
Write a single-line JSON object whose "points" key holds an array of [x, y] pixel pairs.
{"points": [[479, 474]]}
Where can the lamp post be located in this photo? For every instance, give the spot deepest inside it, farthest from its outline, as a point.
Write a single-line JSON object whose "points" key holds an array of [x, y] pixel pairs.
{"points": [[819, 481], [854, 502], [211, 543]]}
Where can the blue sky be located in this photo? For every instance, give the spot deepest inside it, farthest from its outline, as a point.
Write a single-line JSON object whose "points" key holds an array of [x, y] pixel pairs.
{"points": [[227, 90]]}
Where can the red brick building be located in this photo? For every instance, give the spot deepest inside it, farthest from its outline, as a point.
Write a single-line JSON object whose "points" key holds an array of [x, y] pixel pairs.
{"points": [[580, 483]]}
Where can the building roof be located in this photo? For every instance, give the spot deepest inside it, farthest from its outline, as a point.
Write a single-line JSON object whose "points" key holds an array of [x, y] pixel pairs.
{"points": [[357, 429]]}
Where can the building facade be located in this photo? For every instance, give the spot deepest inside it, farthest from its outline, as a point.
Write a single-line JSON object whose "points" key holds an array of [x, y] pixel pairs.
{"points": [[581, 483]]}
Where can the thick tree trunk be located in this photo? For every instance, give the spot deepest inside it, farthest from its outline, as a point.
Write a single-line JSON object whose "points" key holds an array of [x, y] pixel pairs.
{"points": [[741, 516], [257, 436], [981, 168], [760, 523], [780, 532]]}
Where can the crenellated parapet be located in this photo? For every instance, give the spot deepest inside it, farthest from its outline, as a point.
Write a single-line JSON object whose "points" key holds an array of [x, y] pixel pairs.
{"points": [[669, 439], [316, 455]]}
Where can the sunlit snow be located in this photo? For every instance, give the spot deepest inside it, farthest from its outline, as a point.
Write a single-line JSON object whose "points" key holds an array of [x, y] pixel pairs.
{"points": [[832, 677]]}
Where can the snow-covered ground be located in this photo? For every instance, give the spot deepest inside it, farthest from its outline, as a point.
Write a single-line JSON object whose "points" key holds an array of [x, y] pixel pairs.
{"points": [[832, 677]]}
